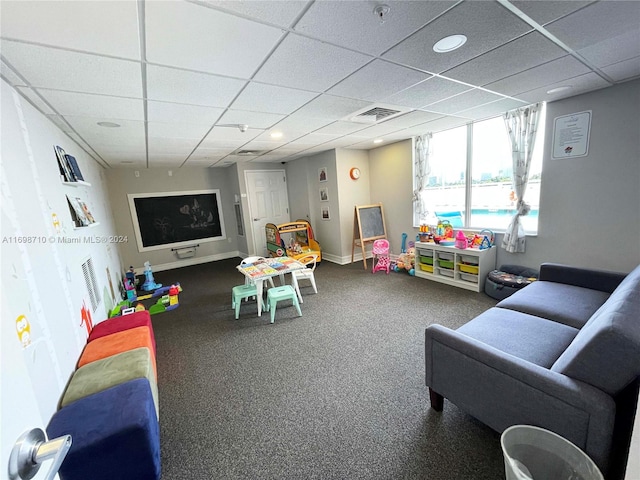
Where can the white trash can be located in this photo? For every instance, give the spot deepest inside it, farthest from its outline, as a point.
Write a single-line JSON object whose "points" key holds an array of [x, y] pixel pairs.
{"points": [[533, 453]]}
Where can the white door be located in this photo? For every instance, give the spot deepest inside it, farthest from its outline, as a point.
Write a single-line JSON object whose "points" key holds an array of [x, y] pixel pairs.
{"points": [[268, 203]]}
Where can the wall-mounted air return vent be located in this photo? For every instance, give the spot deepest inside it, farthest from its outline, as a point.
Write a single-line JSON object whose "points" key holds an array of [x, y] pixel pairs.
{"points": [[376, 114]]}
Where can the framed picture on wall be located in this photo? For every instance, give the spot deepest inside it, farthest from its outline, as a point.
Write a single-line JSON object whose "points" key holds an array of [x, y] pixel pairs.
{"points": [[324, 213], [322, 174], [324, 194]]}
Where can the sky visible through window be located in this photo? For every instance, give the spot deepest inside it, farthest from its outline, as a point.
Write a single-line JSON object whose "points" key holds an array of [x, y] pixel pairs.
{"points": [[492, 201]]}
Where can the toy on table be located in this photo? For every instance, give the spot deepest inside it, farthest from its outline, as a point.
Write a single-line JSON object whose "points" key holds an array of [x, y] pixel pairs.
{"points": [[149, 283]]}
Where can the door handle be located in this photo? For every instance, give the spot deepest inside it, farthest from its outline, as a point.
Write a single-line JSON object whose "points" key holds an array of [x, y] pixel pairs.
{"points": [[256, 219]]}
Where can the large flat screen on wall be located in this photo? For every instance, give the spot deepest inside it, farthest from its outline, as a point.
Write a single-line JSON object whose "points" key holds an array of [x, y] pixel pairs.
{"points": [[176, 219]]}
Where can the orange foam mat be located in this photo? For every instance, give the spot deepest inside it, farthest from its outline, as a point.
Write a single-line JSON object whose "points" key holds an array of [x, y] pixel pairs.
{"points": [[119, 342]]}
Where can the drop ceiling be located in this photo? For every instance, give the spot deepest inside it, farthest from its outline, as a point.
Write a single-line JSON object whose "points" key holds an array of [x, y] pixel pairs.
{"points": [[178, 76]]}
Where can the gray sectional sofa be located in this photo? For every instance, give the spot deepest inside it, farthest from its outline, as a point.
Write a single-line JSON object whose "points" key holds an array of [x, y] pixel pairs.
{"points": [[562, 353]]}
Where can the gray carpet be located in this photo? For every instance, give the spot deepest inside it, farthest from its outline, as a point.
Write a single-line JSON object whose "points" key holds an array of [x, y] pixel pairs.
{"points": [[335, 394]]}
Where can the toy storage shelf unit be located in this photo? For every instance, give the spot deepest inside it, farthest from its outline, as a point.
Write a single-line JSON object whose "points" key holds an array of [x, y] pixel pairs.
{"points": [[464, 268]]}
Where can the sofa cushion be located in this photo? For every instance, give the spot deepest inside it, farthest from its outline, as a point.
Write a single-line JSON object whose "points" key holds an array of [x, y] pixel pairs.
{"points": [[530, 338], [562, 303], [606, 352]]}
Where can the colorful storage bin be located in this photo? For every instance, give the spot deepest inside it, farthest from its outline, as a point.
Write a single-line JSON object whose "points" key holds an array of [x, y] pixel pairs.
{"points": [[468, 268], [426, 268], [427, 260], [445, 264]]}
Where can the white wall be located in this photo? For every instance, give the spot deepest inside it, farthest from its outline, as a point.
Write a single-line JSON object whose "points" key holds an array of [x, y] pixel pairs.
{"points": [[43, 280]]}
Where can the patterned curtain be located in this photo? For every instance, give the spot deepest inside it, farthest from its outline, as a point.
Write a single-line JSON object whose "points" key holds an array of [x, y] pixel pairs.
{"points": [[522, 125], [421, 172]]}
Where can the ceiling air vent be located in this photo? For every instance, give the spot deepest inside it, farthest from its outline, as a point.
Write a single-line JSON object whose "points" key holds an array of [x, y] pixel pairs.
{"points": [[376, 114], [249, 153]]}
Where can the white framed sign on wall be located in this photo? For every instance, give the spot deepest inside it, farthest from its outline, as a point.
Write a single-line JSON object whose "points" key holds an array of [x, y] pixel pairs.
{"points": [[571, 135]]}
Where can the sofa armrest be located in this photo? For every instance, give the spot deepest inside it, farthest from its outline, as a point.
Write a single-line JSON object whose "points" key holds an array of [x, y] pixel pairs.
{"points": [[602, 280], [502, 390]]}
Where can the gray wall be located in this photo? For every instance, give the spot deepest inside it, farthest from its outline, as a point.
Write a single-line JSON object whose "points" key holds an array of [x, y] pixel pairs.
{"points": [[590, 206], [122, 182]]}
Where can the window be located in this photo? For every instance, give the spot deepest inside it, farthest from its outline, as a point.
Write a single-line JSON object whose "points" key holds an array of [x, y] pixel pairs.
{"points": [[469, 182]]}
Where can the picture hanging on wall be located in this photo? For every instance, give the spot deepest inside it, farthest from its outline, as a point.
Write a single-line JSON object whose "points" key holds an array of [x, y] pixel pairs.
{"points": [[174, 219], [322, 174], [324, 213], [324, 194]]}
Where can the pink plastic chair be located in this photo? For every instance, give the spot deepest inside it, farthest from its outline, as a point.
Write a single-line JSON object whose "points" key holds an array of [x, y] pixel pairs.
{"points": [[381, 258]]}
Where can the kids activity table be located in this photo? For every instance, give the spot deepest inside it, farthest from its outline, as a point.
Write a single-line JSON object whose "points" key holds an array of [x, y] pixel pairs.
{"points": [[269, 267]]}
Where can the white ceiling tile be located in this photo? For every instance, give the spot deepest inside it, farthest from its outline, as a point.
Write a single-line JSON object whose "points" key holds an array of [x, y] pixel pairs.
{"points": [[623, 70], [551, 72], [79, 72], [341, 128], [123, 159], [177, 130], [10, 75], [129, 133], [331, 107], [86, 104], [180, 86], [221, 137], [277, 12], [35, 99], [105, 27], [581, 84], [548, 10], [214, 41], [354, 24], [181, 113], [303, 63], [166, 160], [429, 91], [253, 119], [262, 146], [526, 52], [298, 124], [493, 109], [377, 80], [260, 97], [613, 50], [265, 137], [444, 123], [473, 19], [182, 146], [463, 101], [202, 153], [311, 139], [204, 162], [604, 20]]}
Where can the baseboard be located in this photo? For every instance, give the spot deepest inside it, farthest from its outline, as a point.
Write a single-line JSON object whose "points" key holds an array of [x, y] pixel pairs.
{"points": [[191, 261], [344, 260]]}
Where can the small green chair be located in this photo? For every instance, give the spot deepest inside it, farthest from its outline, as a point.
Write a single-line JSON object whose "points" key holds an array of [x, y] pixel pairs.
{"points": [[284, 292], [239, 293]]}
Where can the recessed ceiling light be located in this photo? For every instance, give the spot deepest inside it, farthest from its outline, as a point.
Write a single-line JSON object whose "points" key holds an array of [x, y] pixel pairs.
{"points": [[378, 140], [562, 88], [450, 43], [109, 124], [276, 134]]}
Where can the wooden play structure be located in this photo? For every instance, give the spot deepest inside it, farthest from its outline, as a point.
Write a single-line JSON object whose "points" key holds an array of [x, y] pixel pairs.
{"points": [[292, 239]]}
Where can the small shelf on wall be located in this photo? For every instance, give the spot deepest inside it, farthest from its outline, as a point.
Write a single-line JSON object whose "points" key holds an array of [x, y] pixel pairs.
{"points": [[79, 183]]}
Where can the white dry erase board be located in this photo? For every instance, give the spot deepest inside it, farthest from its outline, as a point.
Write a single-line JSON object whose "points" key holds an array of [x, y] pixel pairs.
{"points": [[368, 225], [571, 135]]}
